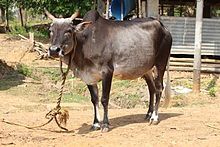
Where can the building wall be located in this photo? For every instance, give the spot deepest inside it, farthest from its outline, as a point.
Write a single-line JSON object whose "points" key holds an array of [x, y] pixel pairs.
{"points": [[152, 8]]}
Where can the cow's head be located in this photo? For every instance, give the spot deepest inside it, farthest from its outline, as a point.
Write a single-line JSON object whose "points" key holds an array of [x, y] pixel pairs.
{"points": [[63, 33]]}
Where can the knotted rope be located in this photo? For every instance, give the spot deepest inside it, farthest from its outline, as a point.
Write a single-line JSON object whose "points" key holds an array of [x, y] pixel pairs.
{"points": [[52, 114], [56, 111]]}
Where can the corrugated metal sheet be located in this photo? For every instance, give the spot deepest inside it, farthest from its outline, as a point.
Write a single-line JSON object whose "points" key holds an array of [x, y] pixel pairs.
{"points": [[183, 32]]}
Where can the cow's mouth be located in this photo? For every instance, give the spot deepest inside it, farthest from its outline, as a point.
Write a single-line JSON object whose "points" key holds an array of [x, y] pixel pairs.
{"points": [[56, 54], [52, 54]]}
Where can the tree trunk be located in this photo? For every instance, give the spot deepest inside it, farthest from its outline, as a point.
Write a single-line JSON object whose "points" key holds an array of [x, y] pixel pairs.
{"points": [[95, 5], [21, 16], [7, 16], [2, 15], [25, 18]]}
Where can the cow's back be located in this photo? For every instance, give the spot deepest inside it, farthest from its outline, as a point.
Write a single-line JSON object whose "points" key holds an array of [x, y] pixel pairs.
{"points": [[131, 46]]}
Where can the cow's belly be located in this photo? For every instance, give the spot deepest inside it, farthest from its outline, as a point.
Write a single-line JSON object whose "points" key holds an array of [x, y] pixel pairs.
{"points": [[89, 76], [130, 74], [133, 67]]}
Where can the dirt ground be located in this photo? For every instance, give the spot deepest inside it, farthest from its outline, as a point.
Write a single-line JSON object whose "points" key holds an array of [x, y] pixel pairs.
{"points": [[192, 125]]}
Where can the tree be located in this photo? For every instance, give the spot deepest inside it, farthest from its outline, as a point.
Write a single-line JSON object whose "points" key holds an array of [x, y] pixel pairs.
{"points": [[64, 8], [5, 6]]}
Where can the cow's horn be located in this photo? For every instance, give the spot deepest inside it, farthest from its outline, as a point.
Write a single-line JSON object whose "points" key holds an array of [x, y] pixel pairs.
{"points": [[75, 15], [49, 15]]}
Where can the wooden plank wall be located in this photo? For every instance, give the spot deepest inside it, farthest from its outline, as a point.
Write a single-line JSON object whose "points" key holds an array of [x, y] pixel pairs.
{"points": [[183, 32]]}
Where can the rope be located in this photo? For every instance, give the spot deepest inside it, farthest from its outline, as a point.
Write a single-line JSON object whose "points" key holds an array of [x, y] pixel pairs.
{"points": [[56, 111], [28, 127], [52, 114]]}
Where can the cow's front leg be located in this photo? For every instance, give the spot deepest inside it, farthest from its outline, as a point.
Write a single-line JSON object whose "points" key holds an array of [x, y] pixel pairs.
{"points": [[106, 87], [93, 89]]}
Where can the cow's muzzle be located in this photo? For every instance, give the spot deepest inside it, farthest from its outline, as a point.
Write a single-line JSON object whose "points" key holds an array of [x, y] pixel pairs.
{"points": [[55, 51]]}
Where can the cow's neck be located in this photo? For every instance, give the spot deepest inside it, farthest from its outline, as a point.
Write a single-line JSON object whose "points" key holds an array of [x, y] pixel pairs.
{"points": [[69, 62], [75, 61]]}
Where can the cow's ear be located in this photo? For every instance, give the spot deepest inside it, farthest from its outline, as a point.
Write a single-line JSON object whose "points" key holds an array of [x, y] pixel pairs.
{"points": [[82, 26]]}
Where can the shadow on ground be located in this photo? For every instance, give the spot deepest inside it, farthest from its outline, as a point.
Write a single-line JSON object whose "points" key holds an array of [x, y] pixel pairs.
{"points": [[9, 77], [127, 120]]}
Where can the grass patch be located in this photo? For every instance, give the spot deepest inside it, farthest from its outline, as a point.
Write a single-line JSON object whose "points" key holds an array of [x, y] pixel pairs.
{"points": [[24, 70], [52, 73], [180, 100], [41, 31], [183, 82], [123, 83], [128, 93], [211, 88], [124, 93], [74, 97]]}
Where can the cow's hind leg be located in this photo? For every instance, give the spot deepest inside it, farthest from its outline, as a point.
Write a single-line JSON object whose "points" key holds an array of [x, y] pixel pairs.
{"points": [[152, 89], [160, 64], [106, 87], [93, 89], [159, 88]]}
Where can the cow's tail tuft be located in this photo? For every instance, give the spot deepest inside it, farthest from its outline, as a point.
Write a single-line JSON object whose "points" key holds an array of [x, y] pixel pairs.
{"points": [[167, 89]]}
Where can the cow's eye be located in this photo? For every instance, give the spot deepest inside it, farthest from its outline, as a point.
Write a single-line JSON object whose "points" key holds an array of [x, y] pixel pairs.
{"points": [[51, 33], [68, 32]]}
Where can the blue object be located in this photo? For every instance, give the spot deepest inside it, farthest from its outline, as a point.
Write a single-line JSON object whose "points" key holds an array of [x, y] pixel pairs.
{"points": [[128, 6]]}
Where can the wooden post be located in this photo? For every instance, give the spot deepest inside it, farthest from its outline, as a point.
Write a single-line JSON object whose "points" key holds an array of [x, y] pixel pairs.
{"points": [[144, 8], [137, 9], [140, 10], [31, 39], [122, 12], [198, 46], [107, 10], [161, 10]]}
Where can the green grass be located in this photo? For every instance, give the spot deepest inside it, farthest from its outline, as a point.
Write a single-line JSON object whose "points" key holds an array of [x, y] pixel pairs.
{"points": [[123, 83], [40, 33], [25, 70], [212, 89], [74, 97], [52, 73]]}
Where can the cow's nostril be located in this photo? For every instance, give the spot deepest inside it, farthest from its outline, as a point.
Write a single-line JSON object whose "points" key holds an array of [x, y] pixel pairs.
{"points": [[58, 49]]}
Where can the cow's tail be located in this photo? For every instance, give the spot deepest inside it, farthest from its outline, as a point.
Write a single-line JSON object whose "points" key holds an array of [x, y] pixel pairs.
{"points": [[167, 89]]}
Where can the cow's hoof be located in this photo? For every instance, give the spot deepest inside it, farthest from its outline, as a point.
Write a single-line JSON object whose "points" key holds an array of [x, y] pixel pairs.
{"points": [[95, 127], [154, 119], [105, 128], [147, 117], [153, 122]]}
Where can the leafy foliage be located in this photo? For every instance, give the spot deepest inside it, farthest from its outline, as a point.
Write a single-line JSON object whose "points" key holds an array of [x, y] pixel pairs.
{"points": [[57, 7], [64, 8], [24, 69]]}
